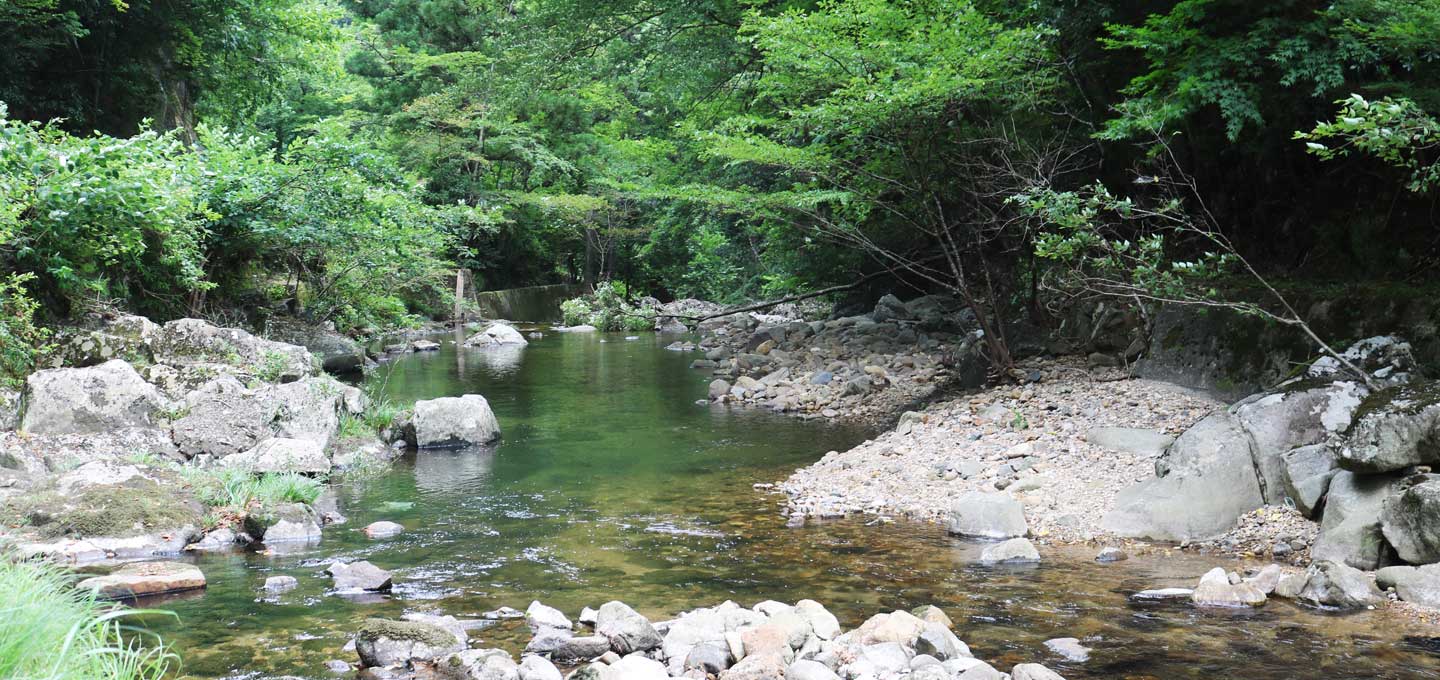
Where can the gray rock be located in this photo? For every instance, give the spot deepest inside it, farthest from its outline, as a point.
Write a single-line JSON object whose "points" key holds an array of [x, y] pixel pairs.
{"points": [[358, 576], [822, 378], [1305, 475], [625, 628], [1135, 441], [280, 584], [939, 642], [383, 529], [338, 667], [284, 523], [452, 421], [281, 454], [1397, 428], [1216, 590], [9, 410], [822, 623], [889, 308], [1164, 594], [712, 658], [1350, 531], [886, 657], [1331, 584], [1111, 554], [809, 670], [547, 640], [217, 540], [539, 616], [223, 417], [987, 515], [91, 400], [496, 335], [538, 668], [190, 342], [580, 648], [1013, 551], [1206, 482], [637, 667], [1033, 671], [141, 579], [1420, 585], [1297, 416], [1410, 522]]}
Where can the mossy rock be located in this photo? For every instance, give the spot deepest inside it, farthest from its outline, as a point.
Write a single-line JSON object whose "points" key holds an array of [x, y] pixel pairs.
{"points": [[136, 507], [406, 631]]}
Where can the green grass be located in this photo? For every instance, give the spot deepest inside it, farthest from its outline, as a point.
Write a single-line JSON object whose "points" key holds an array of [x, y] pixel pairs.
{"points": [[51, 631], [239, 489]]}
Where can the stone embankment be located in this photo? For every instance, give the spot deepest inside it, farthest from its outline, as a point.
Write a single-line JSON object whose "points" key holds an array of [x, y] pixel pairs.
{"points": [[771, 640], [98, 456]]}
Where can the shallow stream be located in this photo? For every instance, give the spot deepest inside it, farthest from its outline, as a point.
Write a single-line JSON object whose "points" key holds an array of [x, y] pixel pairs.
{"points": [[612, 483]]}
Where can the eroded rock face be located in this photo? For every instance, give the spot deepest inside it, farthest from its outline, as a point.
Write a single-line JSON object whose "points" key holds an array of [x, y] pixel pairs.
{"points": [[1296, 416], [1395, 429], [91, 400], [141, 579], [1410, 521], [1013, 551], [1206, 481], [453, 422]]}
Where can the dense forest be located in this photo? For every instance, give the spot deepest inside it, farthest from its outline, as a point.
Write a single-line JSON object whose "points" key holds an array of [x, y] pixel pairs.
{"points": [[342, 159]]}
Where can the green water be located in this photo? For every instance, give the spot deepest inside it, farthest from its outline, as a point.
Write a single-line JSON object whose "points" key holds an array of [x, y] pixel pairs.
{"points": [[612, 483]]}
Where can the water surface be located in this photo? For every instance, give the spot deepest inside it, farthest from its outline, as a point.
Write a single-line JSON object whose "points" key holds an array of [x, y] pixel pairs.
{"points": [[611, 482]]}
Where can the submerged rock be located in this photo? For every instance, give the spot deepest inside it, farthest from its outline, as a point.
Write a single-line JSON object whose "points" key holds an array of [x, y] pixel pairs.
{"points": [[1013, 551], [1216, 590]]}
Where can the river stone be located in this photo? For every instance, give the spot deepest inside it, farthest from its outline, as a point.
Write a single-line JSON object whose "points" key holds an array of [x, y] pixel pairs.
{"points": [[1305, 475], [626, 629], [582, 328], [538, 668], [280, 454], [280, 584], [898, 626], [1420, 585], [383, 529], [1070, 648], [718, 389], [937, 641], [92, 400], [496, 335], [284, 523], [886, 657], [1395, 429], [1033, 671], [580, 648], [1331, 584], [805, 669], [453, 421], [1135, 441], [1164, 594], [1297, 416], [1410, 520], [539, 617], [140, 579], [1207, 481], [1013, 551], [637, 667], [987, 515], [358, 576], [188, 342], [822, 622], [709, 658], [383, 642], [1216, 590], [1350, 529], [222, 539]]}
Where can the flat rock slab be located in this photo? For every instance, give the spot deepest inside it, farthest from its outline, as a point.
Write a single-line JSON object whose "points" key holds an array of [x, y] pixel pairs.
{"points": [[1137, 441], [142, 579]]}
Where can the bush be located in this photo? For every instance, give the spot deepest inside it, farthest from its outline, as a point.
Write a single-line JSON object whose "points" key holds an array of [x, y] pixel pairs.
{"points": [[22, 343], [50, 630], [607, 310]]}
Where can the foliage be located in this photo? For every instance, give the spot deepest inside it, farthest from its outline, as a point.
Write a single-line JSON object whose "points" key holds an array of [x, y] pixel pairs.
{"points": [[1397, 131], [50, 630], [607, 309], [22, 341], [240, 491]]}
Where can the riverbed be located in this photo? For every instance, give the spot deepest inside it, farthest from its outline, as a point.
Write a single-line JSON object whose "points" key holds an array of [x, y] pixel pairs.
{"points": [[611, 482]]}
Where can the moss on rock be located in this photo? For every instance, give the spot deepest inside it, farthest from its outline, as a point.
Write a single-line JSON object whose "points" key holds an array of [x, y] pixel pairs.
{"points": [[136, 507], [408, 631]]}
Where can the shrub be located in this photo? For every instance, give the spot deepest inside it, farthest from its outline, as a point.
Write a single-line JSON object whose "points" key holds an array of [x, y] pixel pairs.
{"points": [[22, 343], [608, 310], [50, 630]]}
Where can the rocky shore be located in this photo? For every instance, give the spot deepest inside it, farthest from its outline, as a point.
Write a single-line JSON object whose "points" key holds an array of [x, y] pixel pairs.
{"points": [[770, 640]]}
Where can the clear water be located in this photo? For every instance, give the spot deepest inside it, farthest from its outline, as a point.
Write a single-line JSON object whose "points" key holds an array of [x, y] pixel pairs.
{"points": [[612, 483]]}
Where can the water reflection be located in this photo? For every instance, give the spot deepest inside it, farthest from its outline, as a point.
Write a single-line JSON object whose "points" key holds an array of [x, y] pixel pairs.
{"points": [[449, 470]]}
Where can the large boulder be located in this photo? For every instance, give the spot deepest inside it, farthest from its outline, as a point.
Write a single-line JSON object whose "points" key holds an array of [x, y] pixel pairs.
{"points": [[186, 342], [1420, 585], [1350, 531], [9, 409], [1206, 481], [1298, 415], [987, 515], [224, 417], [1331, 584], [140, 579], [281, 454], [89, 400], [1395, 429], [337, 353], [452, 421], [626, 629], [383, 642], [496, 335], [1410, 520], [1305, 475]]}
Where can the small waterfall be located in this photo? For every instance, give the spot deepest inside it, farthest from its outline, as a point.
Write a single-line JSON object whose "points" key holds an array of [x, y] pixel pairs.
{"points": [[532, 303]]}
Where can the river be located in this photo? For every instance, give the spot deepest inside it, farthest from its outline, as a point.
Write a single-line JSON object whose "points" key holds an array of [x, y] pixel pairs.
{"points": [[611, 482]]}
